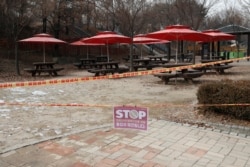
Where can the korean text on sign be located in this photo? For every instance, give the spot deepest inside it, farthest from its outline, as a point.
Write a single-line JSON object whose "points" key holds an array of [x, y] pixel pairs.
{"points": [[130, 117]]}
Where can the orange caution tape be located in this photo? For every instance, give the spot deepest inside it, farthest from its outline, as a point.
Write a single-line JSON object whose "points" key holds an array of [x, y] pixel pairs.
{"points": [[123, 75], [103, 105]]}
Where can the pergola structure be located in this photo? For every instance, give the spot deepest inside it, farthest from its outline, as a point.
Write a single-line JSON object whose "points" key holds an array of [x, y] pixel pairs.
{"points": [[238, 31]]}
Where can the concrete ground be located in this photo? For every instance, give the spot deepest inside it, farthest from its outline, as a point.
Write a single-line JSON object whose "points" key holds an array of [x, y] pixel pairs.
{"points": [[164, 144]]}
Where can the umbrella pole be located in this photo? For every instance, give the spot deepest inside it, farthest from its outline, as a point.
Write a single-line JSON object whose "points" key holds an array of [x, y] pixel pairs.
{"points": [[210, 52], [141, 51], [176, 52], [176, 58], [43, 52], [87, 52], [108, 52]]}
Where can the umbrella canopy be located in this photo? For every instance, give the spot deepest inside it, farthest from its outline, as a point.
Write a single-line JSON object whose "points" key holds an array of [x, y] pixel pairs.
{"points": [[82, 42], [108, 37], [217, 35], [43, 39], [142, 39], [178, 33]]}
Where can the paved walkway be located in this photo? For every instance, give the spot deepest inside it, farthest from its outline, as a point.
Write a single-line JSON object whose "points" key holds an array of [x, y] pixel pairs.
{"points": [[164, 144]]}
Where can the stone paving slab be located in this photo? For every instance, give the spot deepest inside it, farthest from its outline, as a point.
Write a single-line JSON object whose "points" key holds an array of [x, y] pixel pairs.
{"points": [[164, 144]]}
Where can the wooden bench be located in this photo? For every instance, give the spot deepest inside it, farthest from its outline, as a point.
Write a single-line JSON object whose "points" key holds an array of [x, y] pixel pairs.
{"points": [[127, 58], [148, 67], [182, 57], [159, 61], [186, 57], [165, 76], [187, 75], [78, 65], [50, 71], [99, 72], [122, 70], [219, 68], [84, 66]]}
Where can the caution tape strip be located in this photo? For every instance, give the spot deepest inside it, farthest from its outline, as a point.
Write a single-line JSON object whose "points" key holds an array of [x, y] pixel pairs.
{"points": [[114, 76], [109, 105]]}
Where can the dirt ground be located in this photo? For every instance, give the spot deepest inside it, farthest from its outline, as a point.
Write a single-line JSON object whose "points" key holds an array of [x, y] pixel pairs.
{"points": [[27, 117]]}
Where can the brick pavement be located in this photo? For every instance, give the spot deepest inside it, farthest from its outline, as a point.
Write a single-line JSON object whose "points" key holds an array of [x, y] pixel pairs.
{"points": [[164, 144]]}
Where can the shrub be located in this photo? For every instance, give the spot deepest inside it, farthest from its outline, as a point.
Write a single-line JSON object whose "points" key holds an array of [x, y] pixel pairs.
{"points": [[227, 97]]}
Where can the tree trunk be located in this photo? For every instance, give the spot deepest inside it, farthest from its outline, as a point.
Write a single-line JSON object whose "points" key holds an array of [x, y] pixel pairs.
{"points": [[44, 24], [17, 59]]}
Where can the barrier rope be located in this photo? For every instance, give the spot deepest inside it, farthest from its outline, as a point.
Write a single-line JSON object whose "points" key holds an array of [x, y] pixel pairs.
{"points": [[114, 76], [109, 105]]}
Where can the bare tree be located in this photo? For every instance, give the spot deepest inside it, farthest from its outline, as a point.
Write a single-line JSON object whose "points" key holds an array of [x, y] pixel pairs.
{"points": [[187, 12], [55, 15], [125, 16], [246, 9], [229, 14], [225, 17], [17, 16]]}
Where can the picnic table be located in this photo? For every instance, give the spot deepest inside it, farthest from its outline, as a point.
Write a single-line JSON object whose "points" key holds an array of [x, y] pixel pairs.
{"points": [[143, 63], [104, 68], [187, 75], [218, 67], [85, 63], [188, 57], [218, 57], [88, 63], [127, 58], [43, 67], [170, 65], [102, 58], [158, 59]]}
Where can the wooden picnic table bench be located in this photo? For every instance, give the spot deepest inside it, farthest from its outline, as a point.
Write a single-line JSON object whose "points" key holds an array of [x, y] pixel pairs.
{"points": [[158, 59], [99, 72], [142, 66], [171, 65], [187, 75], [88, 63], [143, 63], [219, 68], [102, 58], [85, 63], [43, 67], [127, 58], [104, 68], [50, 71], [188, 57]]}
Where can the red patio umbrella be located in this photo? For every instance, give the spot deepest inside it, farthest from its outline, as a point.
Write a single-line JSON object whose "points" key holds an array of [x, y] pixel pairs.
{"points": [[82, 42], [142, 39], [43, 39], [108, 37], [217, 35], [178, 33]]}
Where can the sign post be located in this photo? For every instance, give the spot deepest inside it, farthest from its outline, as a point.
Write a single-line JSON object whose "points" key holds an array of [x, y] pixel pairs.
{"points": [[129, 117]]}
